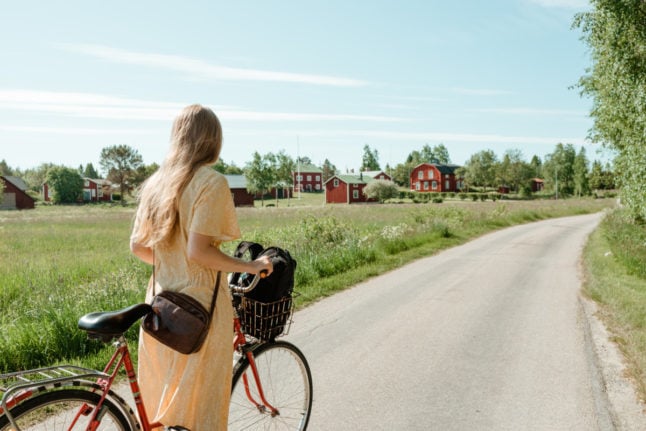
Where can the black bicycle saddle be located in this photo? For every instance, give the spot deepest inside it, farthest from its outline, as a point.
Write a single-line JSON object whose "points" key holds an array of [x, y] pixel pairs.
{"points": [[112, 324]]}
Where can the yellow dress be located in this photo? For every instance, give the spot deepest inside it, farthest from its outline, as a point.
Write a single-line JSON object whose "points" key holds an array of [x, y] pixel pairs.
{"points": [[193, 390]]}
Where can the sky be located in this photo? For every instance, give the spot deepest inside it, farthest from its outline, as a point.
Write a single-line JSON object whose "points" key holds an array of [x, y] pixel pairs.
{"points": [[318, 79]]}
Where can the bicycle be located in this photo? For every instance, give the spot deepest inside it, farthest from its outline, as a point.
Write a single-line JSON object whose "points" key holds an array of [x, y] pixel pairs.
{"points": [[271, 382]]}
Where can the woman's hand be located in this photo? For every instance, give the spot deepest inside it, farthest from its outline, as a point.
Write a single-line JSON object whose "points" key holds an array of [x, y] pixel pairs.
{"points": [[261, 264]]}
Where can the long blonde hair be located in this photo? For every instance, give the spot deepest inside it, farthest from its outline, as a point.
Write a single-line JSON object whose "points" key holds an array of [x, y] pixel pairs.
{"points": [[196, 140]]}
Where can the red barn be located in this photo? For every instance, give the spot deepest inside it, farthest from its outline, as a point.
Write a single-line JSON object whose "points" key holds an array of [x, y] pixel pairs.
{"points": [[238, 187], [346, 189], [15, 195], [432, 177]]}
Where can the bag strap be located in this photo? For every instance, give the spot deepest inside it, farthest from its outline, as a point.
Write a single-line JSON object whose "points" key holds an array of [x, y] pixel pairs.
{"points": [[215, 290]]}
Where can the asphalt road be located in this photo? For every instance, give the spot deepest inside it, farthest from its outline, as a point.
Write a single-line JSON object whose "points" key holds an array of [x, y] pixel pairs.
{"points": [[491, 335]]}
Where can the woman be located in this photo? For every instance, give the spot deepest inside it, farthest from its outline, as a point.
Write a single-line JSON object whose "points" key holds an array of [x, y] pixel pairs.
{"points": [[185, 212]]}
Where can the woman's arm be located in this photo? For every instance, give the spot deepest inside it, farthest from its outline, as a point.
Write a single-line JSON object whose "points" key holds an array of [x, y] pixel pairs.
{"points": [[143, 253], [200, 250]]}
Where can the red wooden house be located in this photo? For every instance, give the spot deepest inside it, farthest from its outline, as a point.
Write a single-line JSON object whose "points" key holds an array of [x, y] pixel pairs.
{"points": [[537, 185], [238, 187], [94, 190], [433, 177], [308, 178], [346, 189], [15, 194]]}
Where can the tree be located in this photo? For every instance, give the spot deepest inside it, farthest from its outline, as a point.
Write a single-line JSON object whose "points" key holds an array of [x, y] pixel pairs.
{"points": [[66, 185], [536, 167], [370, 160], [224, 168], [285, 167], [580, 168], [480, 169], [90, 172], [559, 169], [35, 177], [329, 170], [438, 154], [5, 170], [381, 190], [261, 174], [601, 178], [304, 160], [615, 30], [120, 162], [141, 174]]}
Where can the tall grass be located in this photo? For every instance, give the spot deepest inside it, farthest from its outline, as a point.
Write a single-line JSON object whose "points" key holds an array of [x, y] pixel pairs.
{"points": [[615, 268], [57, 264]]}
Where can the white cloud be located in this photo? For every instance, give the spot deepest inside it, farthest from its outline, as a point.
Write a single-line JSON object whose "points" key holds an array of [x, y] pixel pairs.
{"points": [[74, 130], [88, 105], [532, 111], [446, 137], [566, 4], [200, 69], [479, 91]]}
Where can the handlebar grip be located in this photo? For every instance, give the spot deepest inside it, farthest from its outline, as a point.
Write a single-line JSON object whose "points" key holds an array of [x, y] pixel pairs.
{"points": [[264, 273]]}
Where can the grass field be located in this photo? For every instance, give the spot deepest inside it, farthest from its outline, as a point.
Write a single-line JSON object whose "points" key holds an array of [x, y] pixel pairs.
{"points": [[58, 263], [615, 269]]}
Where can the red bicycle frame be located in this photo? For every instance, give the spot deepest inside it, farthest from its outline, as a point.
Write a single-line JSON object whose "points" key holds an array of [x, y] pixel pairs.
{"points": [[121, 357]]}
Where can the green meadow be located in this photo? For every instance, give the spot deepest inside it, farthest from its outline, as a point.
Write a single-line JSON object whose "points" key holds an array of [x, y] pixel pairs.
{"points": [[58, 263], [615, 270]]}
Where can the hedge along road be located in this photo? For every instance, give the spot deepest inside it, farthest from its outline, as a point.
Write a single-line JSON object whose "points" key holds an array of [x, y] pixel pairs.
{"points": [[490, 335]]}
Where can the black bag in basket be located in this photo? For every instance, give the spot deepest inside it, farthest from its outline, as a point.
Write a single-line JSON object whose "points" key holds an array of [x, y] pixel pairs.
{"points": [[265, 310]]}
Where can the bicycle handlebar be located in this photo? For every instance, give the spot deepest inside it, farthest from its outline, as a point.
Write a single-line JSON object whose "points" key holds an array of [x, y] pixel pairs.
{"points": [[252, 285]]}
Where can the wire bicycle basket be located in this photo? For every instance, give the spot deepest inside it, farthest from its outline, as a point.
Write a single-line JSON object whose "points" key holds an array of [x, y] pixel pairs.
{"points": [[265, 320]]}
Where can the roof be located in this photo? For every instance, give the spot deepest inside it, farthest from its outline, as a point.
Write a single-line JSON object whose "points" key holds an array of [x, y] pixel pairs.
{"points": [[16, 182], [373, 174], [351, 179], [309, 168], [236, 181], [443, 168], [100, 181]]}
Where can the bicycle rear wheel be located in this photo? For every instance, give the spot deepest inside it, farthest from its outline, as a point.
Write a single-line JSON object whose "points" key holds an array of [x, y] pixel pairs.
{"points": [[58, 410], [287, 384]]}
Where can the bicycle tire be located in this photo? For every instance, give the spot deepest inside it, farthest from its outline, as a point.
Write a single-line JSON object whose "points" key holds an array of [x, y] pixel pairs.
{"points": [[55, 411], [287, 383]]}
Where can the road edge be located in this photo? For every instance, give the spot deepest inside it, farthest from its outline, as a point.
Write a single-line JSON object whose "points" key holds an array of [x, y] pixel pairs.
{"points": [[615, 394]]}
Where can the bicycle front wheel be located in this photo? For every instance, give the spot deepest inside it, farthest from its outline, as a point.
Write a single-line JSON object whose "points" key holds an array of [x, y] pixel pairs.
{"points": [[286, 381], [65, 409]]}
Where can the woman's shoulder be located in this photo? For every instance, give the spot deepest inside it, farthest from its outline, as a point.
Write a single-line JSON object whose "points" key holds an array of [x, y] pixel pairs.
{"points": [[205, 176]]}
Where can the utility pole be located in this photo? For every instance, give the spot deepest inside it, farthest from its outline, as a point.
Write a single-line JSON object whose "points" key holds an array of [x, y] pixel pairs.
{"points": [[298, 165]]}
